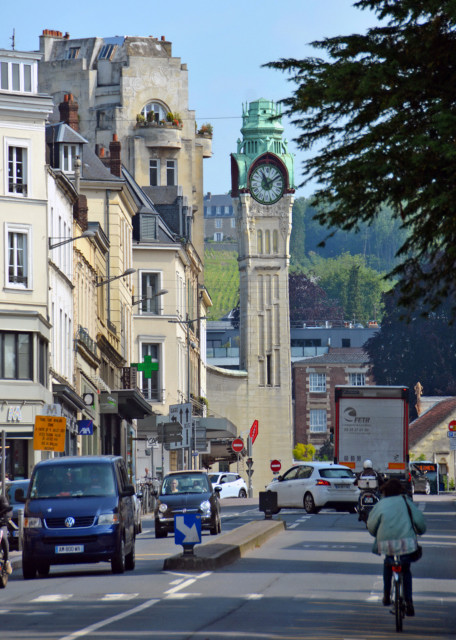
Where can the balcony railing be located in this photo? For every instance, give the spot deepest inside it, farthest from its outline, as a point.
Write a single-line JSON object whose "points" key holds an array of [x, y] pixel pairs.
{"points": [[84, 337], [222, 352]]}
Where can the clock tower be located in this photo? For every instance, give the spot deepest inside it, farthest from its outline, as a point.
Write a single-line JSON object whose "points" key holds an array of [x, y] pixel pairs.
{"points": [[263, 194]]}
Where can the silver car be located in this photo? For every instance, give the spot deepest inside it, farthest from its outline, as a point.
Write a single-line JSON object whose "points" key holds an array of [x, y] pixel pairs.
{"points": [[314, 485]]}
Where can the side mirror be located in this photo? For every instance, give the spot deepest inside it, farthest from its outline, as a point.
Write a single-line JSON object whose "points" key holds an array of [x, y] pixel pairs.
{"points": [[218, 490], [128, 491], [279, 478], [20, 498]]}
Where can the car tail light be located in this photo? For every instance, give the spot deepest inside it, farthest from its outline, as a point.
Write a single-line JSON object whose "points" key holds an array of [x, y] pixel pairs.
{"points": [[324, 483]]}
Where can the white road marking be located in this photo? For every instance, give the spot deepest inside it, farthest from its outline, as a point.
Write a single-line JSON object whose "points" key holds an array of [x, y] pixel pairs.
{"points": [[104, 623], [119, 596], [53, 597], [254, 596]]}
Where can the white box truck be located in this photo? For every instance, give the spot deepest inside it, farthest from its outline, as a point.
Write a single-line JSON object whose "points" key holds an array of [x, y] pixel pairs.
{"points": [[372, 423]]}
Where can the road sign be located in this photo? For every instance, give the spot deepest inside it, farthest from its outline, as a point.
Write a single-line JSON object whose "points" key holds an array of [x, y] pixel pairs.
{"points": [[452, 434], [452, 425], [237, 445], [276, 465], [49, 433], [187, 530], [254, 431]]}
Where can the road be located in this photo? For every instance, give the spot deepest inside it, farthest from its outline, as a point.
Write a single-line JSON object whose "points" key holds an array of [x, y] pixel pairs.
{"points": [[317, 580]]}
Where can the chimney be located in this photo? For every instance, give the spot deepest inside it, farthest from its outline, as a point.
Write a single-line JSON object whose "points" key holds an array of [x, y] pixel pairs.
{"points": [[69, 111], [114, 154], [80, 212]]}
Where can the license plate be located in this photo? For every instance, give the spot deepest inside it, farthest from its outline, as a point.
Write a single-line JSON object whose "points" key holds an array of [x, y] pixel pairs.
{"points": [[341, 486], [69, 548], [368, 500]]}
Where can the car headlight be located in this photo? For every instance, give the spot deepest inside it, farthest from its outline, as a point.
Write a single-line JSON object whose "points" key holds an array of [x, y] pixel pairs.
{"points": [[108, 518], [206, 508], [32, 523], [163, 507]]}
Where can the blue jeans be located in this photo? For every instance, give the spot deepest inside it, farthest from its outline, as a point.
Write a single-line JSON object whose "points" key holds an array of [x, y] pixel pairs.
{"points": [[407, 574]]}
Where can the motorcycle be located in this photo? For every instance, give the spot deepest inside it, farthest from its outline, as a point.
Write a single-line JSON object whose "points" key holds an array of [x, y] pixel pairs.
{"points": [[368, 497]]}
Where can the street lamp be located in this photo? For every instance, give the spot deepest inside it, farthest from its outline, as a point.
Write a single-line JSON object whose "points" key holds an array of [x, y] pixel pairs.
{"points": [[149, 295], [187, 323], [125, 273], [86, 234]]}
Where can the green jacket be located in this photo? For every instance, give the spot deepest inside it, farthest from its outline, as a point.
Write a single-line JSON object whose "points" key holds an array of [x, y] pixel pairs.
{"points": [[389, 522]]}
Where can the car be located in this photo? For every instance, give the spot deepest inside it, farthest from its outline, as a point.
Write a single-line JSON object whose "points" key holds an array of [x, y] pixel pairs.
{"points": [[314, 485], [187, 492], [420, 483], [231, 484], [78, 509], [15, 489]]}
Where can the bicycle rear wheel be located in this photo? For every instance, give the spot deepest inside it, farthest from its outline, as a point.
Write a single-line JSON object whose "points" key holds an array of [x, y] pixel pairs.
{"points": [[3, 573], [398, 604]]}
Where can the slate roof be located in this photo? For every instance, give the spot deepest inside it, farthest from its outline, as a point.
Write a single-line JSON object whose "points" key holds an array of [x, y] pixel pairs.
{"points": [[338, 355], [61, 132], [431, 419]]}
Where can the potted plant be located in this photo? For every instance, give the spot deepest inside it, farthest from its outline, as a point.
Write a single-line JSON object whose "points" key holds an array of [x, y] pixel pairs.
{"points": [[140, 119], [206, 129]]}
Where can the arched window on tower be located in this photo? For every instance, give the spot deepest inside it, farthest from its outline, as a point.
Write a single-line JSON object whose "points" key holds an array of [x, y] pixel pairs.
{"points": [[259, 241], [275, 241], [267, 241]]}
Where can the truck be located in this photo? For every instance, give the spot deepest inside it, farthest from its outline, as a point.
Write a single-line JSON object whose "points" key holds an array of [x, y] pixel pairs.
{"points": [[372, 423]]}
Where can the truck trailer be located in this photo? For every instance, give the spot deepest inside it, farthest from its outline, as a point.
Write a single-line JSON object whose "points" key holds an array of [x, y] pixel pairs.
{"points": [[372, 423]]}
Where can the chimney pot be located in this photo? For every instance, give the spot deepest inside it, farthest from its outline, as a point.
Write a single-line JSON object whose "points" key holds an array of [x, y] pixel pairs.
{"points": [[115, 137], [102, 152], [163, 38]]}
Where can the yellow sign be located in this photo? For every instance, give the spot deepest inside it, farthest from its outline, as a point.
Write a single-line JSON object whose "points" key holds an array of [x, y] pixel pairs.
{"points": [[49, 433]]}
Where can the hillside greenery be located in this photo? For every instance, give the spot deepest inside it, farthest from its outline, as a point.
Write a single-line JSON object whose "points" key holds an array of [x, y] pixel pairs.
{"points": [[221, 278]]}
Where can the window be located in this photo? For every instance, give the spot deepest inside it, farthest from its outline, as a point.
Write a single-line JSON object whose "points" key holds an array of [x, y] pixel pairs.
{"points": [[218, 224], [275, 241], [17, 76], [267, 239], [16, 356], [259, 241], [68, 155], [317, 420], [17, 256], [72, 53], [150, 285], [357, 379], [218, 237], [17, 170], [106, 51], [154, 173], [346, 342], [233, 223], [317, 382], [157, 111], [171, 177], [151, 386]]}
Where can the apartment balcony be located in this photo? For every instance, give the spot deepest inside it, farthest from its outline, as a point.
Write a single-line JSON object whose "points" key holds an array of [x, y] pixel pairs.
{"points": [[166, 135], [205, 140]]}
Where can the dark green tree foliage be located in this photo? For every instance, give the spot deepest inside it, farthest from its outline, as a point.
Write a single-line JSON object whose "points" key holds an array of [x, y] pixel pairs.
{"points": [[353, 308], [298, 233], [309, 303], [422, 350], [381, 109]]}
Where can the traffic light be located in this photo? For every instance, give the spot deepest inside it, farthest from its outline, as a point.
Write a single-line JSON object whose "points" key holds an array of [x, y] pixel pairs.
{"points": [[249, 463]]}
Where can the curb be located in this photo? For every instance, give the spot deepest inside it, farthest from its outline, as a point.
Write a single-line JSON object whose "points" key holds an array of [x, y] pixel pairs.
{"points": [[228, 548]]}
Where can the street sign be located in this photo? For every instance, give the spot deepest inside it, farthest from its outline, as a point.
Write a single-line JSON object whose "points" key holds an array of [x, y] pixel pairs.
{"points": [[452, 434], [182, 413], [276, 465], [187, 530], [237, 445], [254, 431], [49, 433], [452, 425]]}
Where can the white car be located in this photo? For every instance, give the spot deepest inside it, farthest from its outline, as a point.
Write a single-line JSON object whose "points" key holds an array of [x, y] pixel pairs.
{"points": [[231, 484], [314, 485]]}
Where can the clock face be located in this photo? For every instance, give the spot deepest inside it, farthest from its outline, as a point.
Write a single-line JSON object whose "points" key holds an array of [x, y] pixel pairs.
{"points": [[267, 184]]}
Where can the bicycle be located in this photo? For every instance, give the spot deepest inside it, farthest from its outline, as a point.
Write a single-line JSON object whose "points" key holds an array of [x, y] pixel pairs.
{"points": [[3, 571], [397, 592]]}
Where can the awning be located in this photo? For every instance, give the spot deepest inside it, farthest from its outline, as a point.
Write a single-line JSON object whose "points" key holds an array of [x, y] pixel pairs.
{"points": [[127, 403]]}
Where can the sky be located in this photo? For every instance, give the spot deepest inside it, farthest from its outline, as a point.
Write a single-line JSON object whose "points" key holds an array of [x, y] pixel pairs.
{"points": [[224, 45]]}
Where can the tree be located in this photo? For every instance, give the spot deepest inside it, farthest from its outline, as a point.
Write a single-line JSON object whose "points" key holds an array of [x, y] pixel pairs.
{"points": [[381, 108], [421, 350], [304, 451], [309, 303]]}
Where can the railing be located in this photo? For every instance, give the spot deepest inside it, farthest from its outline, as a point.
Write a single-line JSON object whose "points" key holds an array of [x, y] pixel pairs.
{"points": [[308, 352], [222, 352], [87, 341], [233, 352]]}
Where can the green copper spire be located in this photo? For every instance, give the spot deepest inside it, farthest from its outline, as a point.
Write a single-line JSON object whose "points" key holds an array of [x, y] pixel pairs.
{"points": [[262, 132]]}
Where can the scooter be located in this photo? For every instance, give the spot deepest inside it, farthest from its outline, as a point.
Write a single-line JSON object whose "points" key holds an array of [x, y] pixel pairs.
{"points": [[368, 497]]}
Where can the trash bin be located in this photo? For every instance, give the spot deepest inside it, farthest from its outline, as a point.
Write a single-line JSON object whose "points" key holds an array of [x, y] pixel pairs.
{"points": [[268, 503]]}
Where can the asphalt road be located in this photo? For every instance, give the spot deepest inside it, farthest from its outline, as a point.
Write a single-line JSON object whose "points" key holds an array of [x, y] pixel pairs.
{"points": [[318, 579]]}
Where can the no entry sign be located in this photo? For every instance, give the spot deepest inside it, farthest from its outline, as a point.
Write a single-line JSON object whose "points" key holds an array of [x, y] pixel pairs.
{"points": [[276, 465], [237, 445]]}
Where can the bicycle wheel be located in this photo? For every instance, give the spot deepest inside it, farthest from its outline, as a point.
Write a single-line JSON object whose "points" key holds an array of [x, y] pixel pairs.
{"points": [[398, 604], [3, 573]]}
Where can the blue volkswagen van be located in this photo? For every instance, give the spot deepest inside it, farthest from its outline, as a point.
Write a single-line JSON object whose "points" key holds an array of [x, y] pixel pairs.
{"points": [[77, 510]]}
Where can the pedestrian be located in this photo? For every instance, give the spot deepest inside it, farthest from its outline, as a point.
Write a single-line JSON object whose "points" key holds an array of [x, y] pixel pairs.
{"points": [[395, 521]]}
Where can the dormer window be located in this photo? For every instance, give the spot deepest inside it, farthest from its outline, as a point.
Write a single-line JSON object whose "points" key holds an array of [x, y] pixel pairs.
{"points": [[106, 51], [68, 155], [72, 53]]}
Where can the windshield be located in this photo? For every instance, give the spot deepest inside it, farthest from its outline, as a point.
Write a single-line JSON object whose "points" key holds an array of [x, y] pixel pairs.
{"points": [[336, 473], [65, 480], [186, 483]]}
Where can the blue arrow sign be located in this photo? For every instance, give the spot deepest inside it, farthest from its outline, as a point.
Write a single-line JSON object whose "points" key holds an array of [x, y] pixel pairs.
{"points": [[187, 529]]}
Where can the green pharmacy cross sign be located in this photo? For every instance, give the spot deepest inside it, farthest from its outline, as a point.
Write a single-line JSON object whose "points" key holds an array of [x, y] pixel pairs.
{"points": [[146, 367]]}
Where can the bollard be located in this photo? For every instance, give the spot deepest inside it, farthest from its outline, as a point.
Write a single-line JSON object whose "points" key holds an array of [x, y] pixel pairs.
{"points": [[20, 526], [268, 504]]}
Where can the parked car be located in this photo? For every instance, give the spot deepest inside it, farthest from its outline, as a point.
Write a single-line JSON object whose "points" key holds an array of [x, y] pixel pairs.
{"points": [[186, 492], [231, 484], [137, 499], [314, 485], [78, 509], [15, 489], [420, 483]]}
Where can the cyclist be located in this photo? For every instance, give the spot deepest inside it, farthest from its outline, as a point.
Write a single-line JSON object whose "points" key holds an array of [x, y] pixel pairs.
{"points": [[390, 523], [5, 514]]}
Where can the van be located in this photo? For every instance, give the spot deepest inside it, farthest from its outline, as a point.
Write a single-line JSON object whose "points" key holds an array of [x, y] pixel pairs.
{"points": [[78, 510]]}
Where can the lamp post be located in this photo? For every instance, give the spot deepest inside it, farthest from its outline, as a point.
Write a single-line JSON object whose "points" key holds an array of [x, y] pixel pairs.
{"points": [[86, 234], [108, 280]]}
